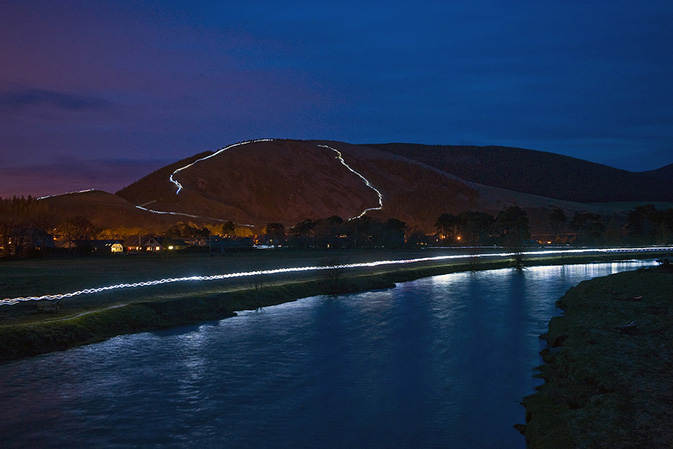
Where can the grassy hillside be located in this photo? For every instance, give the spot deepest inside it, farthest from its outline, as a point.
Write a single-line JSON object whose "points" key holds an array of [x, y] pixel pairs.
{"points": [[540, 173], [608, 366], [156, 185], [288, 181], [107, 211]]}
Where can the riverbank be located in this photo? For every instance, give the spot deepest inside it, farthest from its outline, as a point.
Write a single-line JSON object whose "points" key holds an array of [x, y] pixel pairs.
{"points": [[80, 321], [608, 365]]}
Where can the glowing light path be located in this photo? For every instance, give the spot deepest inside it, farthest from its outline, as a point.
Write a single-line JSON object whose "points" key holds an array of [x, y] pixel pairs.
{"points": [[341, 159], [175, 181], [66, 193], [180, 187], [217, 277]]}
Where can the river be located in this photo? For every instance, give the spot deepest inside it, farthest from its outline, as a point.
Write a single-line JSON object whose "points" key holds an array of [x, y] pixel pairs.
{"points": [[440, 362]]}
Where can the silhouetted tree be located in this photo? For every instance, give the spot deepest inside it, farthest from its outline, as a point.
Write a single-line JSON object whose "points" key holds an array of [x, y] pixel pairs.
{"points": [[361, 232], [228, 229], [21, 219], [393, 233], [588, 227], [446, 226], [664, 221], [645, 224], [78, 228], [274, 233], [327, 232], [475, 227], [512, 226], [301, 234], [556, 219]]}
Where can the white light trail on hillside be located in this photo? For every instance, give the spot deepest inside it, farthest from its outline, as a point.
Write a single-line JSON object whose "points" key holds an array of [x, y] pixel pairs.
{"points": [[174, 181], [180, 187], [66, 193], [162, 212], [88, 291], [343, 162]]}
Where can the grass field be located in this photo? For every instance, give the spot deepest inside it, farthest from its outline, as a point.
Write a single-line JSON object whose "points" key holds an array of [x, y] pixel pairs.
{"points": [[146, 308], [608, 366]]}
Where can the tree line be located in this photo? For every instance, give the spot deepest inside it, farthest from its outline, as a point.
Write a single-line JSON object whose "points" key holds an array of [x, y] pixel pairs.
{"points": [[510, 228], [26, 224], [642, 225], [335, 232]]}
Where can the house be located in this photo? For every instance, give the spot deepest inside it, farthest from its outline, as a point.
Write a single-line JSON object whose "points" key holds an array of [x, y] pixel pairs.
{"points": [[168, 244], [107, 246], [152, 245], [133, 244]]}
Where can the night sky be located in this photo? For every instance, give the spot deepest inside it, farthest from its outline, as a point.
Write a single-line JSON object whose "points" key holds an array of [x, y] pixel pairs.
{"points": [[143, 83]]}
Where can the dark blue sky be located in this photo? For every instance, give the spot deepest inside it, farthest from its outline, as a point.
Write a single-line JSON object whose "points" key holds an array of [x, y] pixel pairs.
{"points": [[161, 80]]}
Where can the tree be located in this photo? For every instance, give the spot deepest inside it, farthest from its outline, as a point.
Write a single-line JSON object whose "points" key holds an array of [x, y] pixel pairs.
{"points": [[474, 227], [361, 232], [302, 233], [393, 233], [556, 219], [327, 232], [229, 229], [588, 227], [645, 224], [20, 218], [78, 228], [512, 226], [664, 221], [274, 233], [446, 225]]}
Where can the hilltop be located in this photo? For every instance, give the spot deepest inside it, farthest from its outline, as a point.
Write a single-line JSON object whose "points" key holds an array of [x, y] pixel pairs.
{"points": [[287, 181], [541, 173]]}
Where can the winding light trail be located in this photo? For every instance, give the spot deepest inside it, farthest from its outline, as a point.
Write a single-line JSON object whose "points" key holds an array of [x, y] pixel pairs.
{"points": [[174, 181], [180, 187], [243, 274], [341, 159]]}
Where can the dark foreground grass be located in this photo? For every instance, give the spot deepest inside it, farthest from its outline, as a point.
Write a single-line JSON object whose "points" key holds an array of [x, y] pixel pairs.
{"points": [[608, 366], [84, 320]]}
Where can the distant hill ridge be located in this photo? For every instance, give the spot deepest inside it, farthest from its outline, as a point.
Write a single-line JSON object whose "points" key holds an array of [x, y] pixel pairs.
{"points": [[287, 181], [540, 173]]}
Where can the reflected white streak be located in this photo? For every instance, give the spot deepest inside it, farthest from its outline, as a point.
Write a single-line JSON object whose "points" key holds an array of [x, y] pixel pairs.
{"points": [[88, 291]]}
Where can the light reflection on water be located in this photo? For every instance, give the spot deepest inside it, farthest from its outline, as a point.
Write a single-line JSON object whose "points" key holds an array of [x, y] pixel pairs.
{"points": [[439, 362]]}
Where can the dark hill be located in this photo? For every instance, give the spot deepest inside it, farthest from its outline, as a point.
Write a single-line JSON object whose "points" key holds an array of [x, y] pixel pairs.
{"points": [[287, 181], [540, 173], [665, 173]]}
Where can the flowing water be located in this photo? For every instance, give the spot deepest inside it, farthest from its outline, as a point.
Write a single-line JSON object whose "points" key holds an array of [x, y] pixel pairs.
{"points": [[441, 362]]}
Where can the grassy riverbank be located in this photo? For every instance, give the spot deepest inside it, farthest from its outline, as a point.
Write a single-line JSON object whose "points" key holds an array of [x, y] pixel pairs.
{"points": [[84, 320], [608, 366]]}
